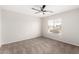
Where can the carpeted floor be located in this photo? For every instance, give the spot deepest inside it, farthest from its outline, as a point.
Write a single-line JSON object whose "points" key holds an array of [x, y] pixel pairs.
{"points": [[39, 45]]}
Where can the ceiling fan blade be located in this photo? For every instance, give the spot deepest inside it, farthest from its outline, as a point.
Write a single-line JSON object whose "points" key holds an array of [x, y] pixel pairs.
{"points": [[49, 11], [37, 12], [35, 9]]}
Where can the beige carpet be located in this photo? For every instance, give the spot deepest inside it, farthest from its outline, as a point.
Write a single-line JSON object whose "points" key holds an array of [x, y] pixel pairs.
{"points": [[39, 45]]}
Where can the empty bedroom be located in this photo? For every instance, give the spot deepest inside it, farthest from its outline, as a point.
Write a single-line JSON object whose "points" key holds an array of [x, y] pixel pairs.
{"points": [[39, 29]]}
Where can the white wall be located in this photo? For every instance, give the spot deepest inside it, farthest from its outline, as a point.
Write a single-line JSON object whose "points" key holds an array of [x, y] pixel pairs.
{"points": [[16, 27], [70, 21], [0, 27]]}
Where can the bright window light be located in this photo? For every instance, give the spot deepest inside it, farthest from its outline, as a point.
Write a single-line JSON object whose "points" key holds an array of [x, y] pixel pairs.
{"points": [[55, 25]]}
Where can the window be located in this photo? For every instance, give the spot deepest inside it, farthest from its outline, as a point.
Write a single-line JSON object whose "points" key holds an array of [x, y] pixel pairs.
{"points": [[55, 26]]}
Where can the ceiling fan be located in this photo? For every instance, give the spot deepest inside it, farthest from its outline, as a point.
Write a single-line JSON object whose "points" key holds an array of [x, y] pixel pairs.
{"points": [[42, 10]]}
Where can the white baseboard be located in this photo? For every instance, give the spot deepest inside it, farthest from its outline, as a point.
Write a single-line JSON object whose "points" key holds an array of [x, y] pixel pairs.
{"points": [[24, 38], [0, 44], [60, 39]]}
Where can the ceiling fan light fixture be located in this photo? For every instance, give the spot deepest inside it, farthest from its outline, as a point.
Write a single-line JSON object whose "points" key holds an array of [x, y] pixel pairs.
{"points": [[42, 10]]}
